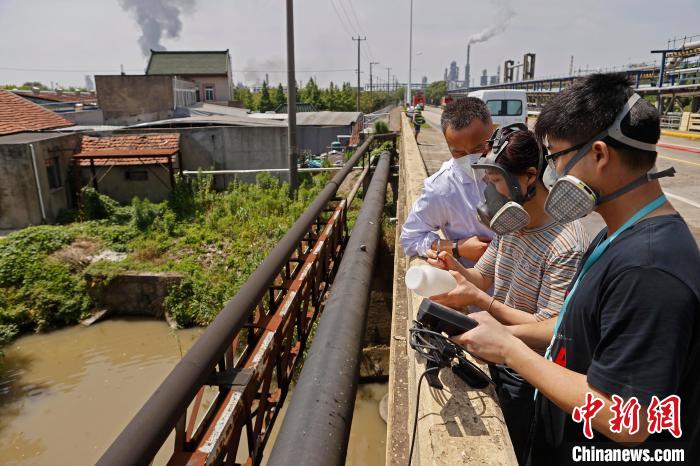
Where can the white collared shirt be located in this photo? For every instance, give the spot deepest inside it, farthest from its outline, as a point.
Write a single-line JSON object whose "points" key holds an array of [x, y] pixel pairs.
{"points": [[448, 203]]}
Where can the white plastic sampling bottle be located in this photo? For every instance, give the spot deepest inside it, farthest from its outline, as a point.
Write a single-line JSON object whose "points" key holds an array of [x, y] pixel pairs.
{"points": [[427, 281]]}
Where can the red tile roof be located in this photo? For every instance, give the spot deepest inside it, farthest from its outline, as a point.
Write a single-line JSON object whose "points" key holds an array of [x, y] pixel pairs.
{"points": [[56, 97], [140, 148], [18, 115]]}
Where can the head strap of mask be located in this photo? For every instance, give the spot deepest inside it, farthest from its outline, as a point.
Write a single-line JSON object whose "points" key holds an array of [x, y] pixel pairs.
{"points": [[614, 131], [499, 141]]}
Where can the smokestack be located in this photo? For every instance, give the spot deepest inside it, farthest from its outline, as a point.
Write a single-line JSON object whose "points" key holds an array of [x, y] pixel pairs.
{"points": [[466, 68]]}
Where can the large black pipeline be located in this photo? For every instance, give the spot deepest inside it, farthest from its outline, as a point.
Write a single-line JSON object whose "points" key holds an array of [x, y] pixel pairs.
{"points": [[316, 427], [138, 443]]}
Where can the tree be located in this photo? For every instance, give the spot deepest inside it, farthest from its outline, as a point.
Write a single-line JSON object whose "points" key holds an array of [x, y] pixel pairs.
{"points": [[329, 98], [279, 97], [243, 94], [311, 94], [436, 91], [265, 102]]}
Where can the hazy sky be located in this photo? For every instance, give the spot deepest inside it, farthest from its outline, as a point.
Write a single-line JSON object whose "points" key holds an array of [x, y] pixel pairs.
{"points": [[62, 41]]}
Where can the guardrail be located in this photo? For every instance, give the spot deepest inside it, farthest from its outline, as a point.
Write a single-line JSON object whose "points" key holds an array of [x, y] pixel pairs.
{"points": [[248, 354], [671, 120], [318, 420]]}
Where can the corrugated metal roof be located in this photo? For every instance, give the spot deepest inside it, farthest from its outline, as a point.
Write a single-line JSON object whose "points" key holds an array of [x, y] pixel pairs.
{"points": [[213, 120], [327, 118], [184, 63]]}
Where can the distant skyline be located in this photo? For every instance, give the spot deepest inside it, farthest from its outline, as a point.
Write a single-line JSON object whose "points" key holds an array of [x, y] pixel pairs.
{"points": [[42, 40]]}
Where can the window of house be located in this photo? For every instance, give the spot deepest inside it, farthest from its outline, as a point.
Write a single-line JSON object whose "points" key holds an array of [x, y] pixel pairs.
{"points": [[53, 172], [136, 175], [197, 97], [209, 93]]}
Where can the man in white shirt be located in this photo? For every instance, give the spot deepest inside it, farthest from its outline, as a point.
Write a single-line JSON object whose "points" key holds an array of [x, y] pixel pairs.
{"points": [[450, 196]]}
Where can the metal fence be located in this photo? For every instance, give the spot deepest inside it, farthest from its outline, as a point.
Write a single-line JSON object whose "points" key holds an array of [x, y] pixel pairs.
{"points": [[671, 120], [249, 353]]}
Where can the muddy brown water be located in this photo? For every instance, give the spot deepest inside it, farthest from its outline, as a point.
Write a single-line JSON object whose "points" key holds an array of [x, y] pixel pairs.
{"points": [[66, 395]]}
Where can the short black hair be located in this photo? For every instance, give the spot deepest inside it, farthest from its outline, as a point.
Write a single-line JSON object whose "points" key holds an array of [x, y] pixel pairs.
{"points": [[521, 153], [590, 105], [460, 113]]}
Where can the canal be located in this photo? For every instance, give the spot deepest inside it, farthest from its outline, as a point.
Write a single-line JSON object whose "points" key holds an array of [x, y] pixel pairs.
{"points": [[65, 395]]}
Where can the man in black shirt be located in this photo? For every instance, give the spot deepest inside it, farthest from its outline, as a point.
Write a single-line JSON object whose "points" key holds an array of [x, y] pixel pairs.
{"points": [[620, 377]]}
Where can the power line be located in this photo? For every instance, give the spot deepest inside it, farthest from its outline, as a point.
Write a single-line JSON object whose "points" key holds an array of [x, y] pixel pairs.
{"points": [[370, 56], [340, 19]]}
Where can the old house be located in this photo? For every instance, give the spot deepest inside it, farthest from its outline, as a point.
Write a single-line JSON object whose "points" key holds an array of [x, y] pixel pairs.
{"points": [[209, 70], [33, 162], [130, 165]]}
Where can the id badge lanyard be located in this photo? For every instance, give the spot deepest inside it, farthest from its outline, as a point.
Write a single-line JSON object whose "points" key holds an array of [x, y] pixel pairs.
{"points": [[595, 255]]}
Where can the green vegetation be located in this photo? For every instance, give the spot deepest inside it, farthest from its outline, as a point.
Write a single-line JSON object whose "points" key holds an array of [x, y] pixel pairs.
{"points": [[381, 127], [215, 239], [334, 98], [435, 91]]}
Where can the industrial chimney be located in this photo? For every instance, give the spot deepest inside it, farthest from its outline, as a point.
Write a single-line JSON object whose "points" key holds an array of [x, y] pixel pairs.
{"points": [[466, 68]]}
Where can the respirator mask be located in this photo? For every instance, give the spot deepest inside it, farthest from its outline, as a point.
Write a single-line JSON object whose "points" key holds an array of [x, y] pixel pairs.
{"points": [[502, 213], [570, 198]]}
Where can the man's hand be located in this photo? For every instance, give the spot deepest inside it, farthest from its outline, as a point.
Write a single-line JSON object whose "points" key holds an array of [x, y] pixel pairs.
{"points": [[443, 260], [490, 340], [473, 248], [464, 294]]}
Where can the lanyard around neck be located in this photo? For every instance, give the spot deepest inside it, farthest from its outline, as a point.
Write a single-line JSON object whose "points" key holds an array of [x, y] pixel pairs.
{"points": [[594, 256]]}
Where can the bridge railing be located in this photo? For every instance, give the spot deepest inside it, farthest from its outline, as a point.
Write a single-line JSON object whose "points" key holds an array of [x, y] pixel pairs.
{"points": [[248, 354]]}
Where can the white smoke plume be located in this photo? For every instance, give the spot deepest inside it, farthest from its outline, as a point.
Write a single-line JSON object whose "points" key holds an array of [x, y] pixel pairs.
{"points": [[504, 13], [89, 83], [157, 19]]}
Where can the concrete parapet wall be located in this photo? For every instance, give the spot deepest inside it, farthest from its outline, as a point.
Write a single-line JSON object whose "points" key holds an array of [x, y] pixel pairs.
{"points": [[457, 425]]}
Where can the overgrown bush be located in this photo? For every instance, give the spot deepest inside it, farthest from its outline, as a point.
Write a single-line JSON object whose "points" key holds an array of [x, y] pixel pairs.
{"points": [[380, 127], [96, 206], [38, 290]]}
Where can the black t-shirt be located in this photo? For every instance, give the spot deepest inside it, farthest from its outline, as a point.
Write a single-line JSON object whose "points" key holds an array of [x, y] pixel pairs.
{"points": [[633, 327]]}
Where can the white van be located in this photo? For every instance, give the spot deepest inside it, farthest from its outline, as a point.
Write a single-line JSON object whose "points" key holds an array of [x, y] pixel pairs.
{"points": [[506, 106]]}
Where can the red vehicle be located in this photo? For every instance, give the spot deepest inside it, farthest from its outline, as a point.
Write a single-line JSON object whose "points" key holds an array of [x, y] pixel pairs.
{"points": [[445, 101], [418, 98]]}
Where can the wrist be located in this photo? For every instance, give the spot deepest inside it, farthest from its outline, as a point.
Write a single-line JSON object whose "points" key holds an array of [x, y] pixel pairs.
{"points": [[513, 351], [455, 249], [484, 301]]}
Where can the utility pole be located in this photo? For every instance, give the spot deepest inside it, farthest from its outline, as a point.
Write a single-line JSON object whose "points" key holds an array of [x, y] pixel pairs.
{"points": [[291, 104], [359, 39], [388, 81], [370, 79], [410, 56]]}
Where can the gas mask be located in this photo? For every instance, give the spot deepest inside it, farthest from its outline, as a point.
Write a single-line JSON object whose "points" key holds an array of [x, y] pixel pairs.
{"points": [[570, 198], [501, 213]]}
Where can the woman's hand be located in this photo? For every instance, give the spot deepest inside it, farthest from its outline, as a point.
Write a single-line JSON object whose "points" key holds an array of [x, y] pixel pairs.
{"points": [[464, 294], [443, 260]]}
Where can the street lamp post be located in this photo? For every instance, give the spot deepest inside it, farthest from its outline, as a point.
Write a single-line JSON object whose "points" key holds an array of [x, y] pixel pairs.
{"points": [[410, 56], [371, 98]]}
